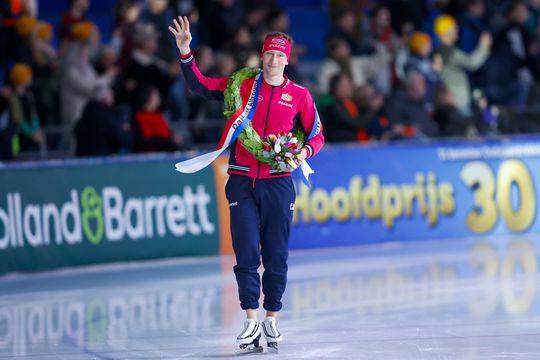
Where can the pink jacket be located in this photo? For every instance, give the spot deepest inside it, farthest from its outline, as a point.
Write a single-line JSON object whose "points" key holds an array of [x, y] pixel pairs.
{"points": [[279, 108]]}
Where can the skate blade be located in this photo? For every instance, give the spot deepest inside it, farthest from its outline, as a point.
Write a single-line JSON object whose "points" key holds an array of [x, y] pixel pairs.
{"points": [[250, 350], [272, 348]]}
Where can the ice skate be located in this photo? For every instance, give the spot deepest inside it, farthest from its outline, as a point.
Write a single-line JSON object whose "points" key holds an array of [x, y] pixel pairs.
{"points": [[249, 338], [271, 334]]}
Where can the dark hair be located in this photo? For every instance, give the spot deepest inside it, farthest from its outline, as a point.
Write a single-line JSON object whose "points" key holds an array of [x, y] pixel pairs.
{"points": [[333, 44], [142, 95], [335, 79], [514, 4], [280, 34]]}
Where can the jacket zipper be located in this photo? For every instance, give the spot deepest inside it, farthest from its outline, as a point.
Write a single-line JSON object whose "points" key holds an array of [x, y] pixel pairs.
{"points": [[265, 124]]}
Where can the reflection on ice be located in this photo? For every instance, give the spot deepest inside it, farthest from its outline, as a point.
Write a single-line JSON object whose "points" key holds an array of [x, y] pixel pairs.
{"points": [[458, 299]]}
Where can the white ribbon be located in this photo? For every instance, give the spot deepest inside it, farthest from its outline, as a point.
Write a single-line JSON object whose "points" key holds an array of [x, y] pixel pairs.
{"points": [[237, 126]]}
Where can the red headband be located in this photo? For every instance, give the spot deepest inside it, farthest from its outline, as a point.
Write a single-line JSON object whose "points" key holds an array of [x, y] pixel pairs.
{"points": [[277, 43]]}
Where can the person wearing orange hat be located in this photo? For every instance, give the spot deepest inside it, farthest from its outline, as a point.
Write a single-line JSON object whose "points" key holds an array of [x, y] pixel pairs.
{"points": [[456, 63], [82, 31], [22, 110], [75, 14], [45, 64], [420, 61], [25, 25]]}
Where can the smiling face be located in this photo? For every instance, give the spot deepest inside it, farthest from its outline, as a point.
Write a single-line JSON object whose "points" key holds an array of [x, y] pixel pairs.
{"points": [[274, 62]]}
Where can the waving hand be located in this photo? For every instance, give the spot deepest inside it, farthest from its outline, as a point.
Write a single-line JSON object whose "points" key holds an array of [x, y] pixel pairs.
{"points": [[182, 34]]}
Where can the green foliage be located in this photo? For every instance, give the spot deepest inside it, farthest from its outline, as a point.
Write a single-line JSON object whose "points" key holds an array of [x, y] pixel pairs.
{"points": [[250, 139]]}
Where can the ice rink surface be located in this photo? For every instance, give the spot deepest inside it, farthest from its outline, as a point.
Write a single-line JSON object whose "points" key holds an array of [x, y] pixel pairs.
{"points": [[444, 299]]}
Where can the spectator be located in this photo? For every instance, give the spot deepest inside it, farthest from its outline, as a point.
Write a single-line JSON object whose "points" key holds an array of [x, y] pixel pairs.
{"points": [[383, 36], [241, 44], [22, 109], [160, 15], [100, 130], [126, 17], [419, 61], [9, 12], [533, 21], [456, 62], [219, 20], [346, 28], [406, 110], [472, 25], [408, 14], [145, 67], [6, 129], [257, 12], [24, 28], [360, 68], [152, 132], [75, 14], [78, 79], [451, 121], [341, 118], [371, 104], [45, 65], [510, 71], [436, 8]]}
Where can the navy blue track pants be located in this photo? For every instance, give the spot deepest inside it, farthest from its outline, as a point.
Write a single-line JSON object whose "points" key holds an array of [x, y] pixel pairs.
{"points": [[261, 216]]}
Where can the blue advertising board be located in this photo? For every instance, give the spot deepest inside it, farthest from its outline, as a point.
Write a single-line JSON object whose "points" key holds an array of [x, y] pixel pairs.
{"points": [[407, 192]]}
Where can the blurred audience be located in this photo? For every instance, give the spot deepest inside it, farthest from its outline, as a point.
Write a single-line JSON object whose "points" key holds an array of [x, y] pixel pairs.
{"points": [[393, 70]]}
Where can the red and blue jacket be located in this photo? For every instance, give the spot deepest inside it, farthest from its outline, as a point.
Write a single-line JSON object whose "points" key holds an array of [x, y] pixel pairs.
{"points": [[279, 108]]}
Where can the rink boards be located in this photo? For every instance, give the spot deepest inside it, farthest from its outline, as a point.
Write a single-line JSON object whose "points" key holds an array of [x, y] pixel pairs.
{"points": [[80, 212]]}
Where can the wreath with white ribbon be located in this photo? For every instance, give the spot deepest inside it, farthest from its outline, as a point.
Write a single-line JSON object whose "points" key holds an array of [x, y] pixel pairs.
{"points": [[278, 150]]}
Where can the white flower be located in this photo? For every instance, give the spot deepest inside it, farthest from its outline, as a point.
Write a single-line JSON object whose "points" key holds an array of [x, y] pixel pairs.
{"points": [[277, 148], [293, 140], [288, 155]]}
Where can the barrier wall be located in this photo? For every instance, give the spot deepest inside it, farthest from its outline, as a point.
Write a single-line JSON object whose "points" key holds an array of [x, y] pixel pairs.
{"points": [[96, 211], [419, 192], [91, 212]]}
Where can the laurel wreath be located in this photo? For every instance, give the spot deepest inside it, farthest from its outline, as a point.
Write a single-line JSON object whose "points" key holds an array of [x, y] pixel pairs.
{"points": [[250, 139]]}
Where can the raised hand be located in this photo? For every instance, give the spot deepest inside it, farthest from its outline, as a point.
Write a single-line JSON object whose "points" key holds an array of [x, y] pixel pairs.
{"points": [[182, 34]]}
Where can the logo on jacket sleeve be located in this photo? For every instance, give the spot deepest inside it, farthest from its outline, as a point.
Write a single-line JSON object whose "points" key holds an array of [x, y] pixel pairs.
{"points": [[286, 97]]}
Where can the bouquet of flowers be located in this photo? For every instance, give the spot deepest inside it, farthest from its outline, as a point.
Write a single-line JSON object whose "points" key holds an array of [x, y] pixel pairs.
{"points": [[278, 150]]}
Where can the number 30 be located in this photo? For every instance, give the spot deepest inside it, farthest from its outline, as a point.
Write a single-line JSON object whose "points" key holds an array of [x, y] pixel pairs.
{"points": [[492, 193]]}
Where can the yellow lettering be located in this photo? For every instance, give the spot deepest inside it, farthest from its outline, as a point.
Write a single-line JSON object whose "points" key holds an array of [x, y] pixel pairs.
{"points": [[392, 205]]}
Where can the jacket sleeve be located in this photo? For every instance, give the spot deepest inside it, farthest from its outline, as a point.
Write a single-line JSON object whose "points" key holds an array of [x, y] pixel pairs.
{"points": [[472, 61], [209, 88], [311, 123]]}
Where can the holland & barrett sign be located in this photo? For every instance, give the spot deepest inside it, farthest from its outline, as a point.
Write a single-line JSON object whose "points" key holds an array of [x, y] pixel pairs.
{"points": [[74, 215]]}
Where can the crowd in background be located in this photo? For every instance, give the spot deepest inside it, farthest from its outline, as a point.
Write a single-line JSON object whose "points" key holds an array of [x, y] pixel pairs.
{"points": [[396, 69]]}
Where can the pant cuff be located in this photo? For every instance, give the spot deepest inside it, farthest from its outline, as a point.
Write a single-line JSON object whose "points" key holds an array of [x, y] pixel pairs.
{"points": [[272, 307], [249, 305]]}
